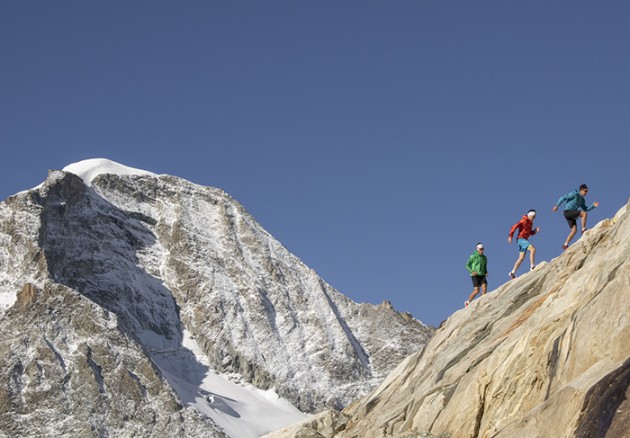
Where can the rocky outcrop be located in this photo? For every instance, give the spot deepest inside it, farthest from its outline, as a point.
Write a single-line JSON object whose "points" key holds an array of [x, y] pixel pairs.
{"points": [[545, 355]]}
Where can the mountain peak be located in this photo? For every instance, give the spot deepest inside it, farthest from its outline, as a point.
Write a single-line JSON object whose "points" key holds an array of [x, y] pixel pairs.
{"points": [[156, 296], [89, 169]]}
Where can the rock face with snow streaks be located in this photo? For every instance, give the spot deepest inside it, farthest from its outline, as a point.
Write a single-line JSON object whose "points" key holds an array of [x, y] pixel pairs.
{"points": [[143, 258], [545, 355], [68, 370]]}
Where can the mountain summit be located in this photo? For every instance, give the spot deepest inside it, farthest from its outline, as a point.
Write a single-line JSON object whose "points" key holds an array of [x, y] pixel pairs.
{"points": [[545, 355], [133, 303]]}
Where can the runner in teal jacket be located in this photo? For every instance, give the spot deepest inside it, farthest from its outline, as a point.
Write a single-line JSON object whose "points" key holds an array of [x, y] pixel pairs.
{"points": [[575, 201]]}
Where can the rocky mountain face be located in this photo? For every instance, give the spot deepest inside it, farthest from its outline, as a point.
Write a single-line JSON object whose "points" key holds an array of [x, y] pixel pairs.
{"points": [[68, 370], [545, 355], [101, 279]]}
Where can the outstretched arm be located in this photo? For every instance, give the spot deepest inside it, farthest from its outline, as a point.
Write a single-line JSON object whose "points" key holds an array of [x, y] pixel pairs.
{"points": [[563, 199], [592, 206]]}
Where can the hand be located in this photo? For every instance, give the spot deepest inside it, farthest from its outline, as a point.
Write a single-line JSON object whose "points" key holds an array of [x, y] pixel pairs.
{"points": [[555, 208], [474, 274], [509, 240], [595, 204], [537, 229]]}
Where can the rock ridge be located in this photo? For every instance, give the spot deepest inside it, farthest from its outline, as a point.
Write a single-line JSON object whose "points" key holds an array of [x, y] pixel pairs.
{"points": [[544, 355]]}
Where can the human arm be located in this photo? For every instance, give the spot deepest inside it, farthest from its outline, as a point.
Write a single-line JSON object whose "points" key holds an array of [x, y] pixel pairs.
{"points": [[563, 199], [469, 265], [592, 206], [513, 230]]}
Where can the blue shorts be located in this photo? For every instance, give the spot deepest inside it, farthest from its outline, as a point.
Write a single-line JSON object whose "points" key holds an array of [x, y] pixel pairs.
{"points": [[523, 244]]}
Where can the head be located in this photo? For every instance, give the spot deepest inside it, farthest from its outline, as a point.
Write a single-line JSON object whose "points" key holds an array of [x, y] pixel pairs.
{"points": [[583, 189], [531, 214], [479, 248]]}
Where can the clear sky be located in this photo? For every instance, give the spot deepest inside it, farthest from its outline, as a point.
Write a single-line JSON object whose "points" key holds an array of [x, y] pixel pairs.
{"points": [[378, 141]]}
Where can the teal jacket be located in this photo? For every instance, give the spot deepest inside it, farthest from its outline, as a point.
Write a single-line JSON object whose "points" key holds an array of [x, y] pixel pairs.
{"points": [[574, 201], [477, 263]]}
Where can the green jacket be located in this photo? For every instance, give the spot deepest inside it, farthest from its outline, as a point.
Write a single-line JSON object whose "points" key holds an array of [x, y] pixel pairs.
{"points": [[477, 263]]}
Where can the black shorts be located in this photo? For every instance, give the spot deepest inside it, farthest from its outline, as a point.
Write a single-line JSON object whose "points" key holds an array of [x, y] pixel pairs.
{"points": [[478, 280], [571, 217]]}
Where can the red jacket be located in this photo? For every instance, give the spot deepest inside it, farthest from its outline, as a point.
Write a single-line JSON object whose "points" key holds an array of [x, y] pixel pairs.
{"points": [[525, 228]]}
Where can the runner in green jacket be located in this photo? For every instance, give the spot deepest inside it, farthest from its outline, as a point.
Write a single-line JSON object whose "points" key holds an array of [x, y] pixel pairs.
{"points": [[477, 266]]}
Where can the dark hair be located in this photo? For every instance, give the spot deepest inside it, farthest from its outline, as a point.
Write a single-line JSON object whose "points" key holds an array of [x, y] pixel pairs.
{"points": [[583, 186], [532, 211]]}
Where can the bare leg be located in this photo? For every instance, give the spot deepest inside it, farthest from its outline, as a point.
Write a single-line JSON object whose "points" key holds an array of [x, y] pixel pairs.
{"points": [[484, 288], [473, 294], [532, 256], [521, 257], [584, 215], [571, 234]]}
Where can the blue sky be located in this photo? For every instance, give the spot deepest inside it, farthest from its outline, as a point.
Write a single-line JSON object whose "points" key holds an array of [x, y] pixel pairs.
{"points": [[378, 141]]}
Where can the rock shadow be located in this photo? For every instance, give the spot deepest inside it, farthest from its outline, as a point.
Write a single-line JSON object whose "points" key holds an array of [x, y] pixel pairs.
{"points": [[95, 248]]}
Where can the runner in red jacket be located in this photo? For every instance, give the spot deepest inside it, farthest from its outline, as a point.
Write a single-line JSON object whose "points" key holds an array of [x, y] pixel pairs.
{"points": [[525, 231]]}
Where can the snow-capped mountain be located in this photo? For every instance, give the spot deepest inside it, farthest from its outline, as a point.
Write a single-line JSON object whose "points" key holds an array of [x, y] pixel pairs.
{"points": [[131, 301]]}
